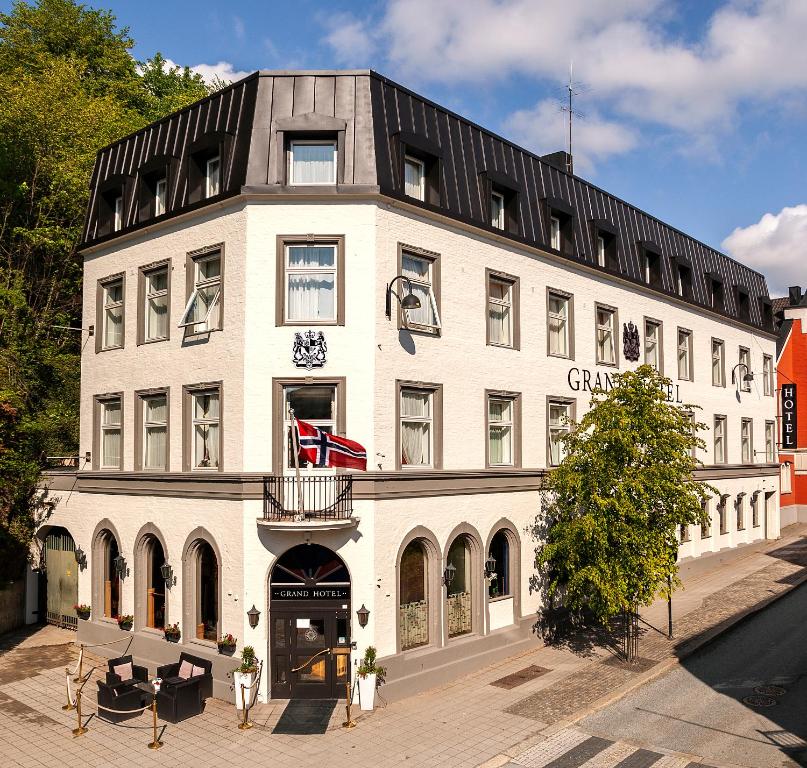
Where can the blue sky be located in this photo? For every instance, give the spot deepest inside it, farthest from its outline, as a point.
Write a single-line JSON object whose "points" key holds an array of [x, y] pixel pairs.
{"points": [[696, 111]]}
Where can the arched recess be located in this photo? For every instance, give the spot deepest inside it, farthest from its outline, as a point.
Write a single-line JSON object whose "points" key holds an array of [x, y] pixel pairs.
{"points": [[201, 587], [413, 619], [107, 592], [150, 590], [463, 597], [512, 581]]}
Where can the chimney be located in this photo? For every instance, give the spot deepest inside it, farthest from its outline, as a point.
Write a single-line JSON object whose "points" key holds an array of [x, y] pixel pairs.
{"points": [[560, 160], [795, 295]]}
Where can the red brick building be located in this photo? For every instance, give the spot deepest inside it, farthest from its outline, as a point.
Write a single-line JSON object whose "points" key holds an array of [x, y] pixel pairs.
{"points": [[791, 385]]}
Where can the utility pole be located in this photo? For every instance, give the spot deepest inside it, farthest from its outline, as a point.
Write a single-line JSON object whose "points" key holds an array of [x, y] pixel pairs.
{"points": [[568, 106]]}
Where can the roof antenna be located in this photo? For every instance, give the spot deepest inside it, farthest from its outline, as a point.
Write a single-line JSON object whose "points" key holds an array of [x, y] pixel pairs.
{"points": [[571, 112]]}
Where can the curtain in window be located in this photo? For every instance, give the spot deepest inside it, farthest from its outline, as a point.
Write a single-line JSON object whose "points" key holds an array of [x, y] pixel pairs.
{"points": [[418, 271], [313, 164], [499, 313], [605, 337], [206, 430], [413, 179], [500, 432], [155, 412], [157, 318], [557, 326], [558, 427], [110, 434], [113, 330], [311, 283], [416, 433]]}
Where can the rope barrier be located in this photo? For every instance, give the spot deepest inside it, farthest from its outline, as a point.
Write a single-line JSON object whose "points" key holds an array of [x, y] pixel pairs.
{"points": [[80, 663], [124, 711]]}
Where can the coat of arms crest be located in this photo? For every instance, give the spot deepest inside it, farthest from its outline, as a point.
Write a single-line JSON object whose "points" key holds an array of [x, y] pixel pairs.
{"points": [[630, 341], [309, 350]]}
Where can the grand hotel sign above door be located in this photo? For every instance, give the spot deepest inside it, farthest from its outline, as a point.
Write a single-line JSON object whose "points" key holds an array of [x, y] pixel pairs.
{"points": [[294, 592]]}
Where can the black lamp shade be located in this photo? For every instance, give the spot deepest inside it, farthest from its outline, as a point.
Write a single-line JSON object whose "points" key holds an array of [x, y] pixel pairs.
{"points": [[448, 574], [254, 614], [490, 565], [80, 555], [363, 615], [120, 565], [410, 301], [167, 572]]}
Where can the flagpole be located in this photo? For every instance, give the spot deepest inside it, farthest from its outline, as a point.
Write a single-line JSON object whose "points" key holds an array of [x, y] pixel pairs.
{"points": [[298, 518]]}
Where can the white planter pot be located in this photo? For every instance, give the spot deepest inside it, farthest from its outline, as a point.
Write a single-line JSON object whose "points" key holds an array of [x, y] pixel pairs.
{"points": [[367, 692], [247, 679]]}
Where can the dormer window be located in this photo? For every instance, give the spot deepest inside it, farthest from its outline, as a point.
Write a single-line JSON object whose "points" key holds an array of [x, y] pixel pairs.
{"points": [[554, 232], [497, 210], [743, 305], [160, 196], [716, 293], [117, 214], [312, 162], [766, 312], [559, 225], [601, 249], [414, 178], [212, 174], [605, 243]]}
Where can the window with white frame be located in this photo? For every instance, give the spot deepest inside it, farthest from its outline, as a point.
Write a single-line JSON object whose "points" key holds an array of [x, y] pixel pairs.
{"points": [[311, 283], [744, 369], [212, 176], [312, 162], [156, 303], [767, 374], [205, 429], [111, 430], [417, 427], [770, 441], [117, 212], [155, 432], [112, 313], [420, 272], [652, 344], [720, 439], [414, 178], [746, 441], [558, 425], [684, 354], [558, 324], [500, 312], [315, 404], [497, 210], [500, 431], [606, 343], [601, 250], [203, 310], [718, 364], [160, 196], [554, 232]]}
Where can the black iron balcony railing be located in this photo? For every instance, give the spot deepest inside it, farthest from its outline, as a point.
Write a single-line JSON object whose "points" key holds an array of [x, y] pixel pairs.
{"points": [[309, 498]]}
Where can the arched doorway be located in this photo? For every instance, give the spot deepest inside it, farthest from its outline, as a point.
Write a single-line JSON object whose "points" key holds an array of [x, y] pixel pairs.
{"points": [[155, 583], [310, 616], [61, 571]]}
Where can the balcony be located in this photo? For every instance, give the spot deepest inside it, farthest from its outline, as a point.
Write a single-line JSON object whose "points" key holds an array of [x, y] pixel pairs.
{"points": [[310, 503]]}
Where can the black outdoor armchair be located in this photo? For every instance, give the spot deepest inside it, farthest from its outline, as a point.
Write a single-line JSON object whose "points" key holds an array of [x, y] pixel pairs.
{"points": [[170, 672], [122, 696], [180, 698], [139, 674]]}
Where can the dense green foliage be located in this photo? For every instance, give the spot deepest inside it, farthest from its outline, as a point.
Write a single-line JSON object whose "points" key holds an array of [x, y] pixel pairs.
{"points": [[614, 506], [68, 86]]}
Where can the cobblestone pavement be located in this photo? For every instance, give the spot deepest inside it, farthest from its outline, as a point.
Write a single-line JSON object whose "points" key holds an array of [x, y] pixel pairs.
{"points": [[466, 723]]}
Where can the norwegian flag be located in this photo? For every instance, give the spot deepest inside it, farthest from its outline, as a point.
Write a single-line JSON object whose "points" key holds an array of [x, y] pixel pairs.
{"points": [[323, 449]]}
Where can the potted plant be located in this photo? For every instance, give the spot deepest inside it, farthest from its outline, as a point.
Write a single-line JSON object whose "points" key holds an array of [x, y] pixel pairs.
{"points": [[82, 610], [245, 675], [227, 644], [370, 677], [125, 621], [172, 633]]}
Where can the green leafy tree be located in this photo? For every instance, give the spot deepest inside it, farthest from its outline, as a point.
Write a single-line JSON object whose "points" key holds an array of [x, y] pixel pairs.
{"points": [[68, 86], [614, 506]]}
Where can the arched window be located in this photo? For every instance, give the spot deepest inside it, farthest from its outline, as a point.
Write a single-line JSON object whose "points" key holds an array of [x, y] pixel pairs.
{"points": [[413, 612], [155, 583], [458, 602], [499, 563], [109, 571], [207, 593]]}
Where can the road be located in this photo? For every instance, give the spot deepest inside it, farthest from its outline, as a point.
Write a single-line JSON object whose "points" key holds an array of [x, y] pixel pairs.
{"points": [[698, 708]]}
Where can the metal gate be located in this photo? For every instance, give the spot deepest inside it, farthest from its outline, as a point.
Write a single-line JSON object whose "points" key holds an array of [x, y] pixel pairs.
{"points": [[61, 571]]}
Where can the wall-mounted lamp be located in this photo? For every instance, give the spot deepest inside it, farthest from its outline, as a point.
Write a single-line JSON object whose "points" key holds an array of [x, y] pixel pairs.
{"points": [[747, 378], [448, 574], [363, 615], [410, 301], [490, 566], [120, 566], [81, 558], [254, 614], [167, 572]]}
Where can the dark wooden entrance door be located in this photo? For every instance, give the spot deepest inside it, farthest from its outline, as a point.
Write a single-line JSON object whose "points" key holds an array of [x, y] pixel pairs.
{"points": [[303, 664]]}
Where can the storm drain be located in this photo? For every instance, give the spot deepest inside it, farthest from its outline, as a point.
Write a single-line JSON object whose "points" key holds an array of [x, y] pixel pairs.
{"points": [[759, 701], [770, 690], [519, 678]]}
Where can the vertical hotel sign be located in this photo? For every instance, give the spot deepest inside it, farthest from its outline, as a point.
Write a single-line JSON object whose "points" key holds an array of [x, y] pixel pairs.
{"points": [[789, 423]]}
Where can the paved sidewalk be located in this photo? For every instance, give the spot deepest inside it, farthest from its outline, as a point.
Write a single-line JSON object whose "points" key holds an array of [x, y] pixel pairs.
{"points": [[492, 716]]}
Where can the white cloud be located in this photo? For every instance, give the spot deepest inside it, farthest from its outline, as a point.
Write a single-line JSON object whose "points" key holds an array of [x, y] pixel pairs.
{"points": [[544, 129], [749, 51], [776, 246], [222, 70]]}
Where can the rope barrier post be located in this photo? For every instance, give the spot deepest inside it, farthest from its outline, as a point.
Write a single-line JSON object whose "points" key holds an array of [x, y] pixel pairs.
{"points": [[350, 722], [77, 678], [80, 730], [69, 707], [156, 743], [246, 724]]}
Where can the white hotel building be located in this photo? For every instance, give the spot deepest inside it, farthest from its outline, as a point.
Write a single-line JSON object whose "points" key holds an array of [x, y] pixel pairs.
{"points": [[285, 204]]}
